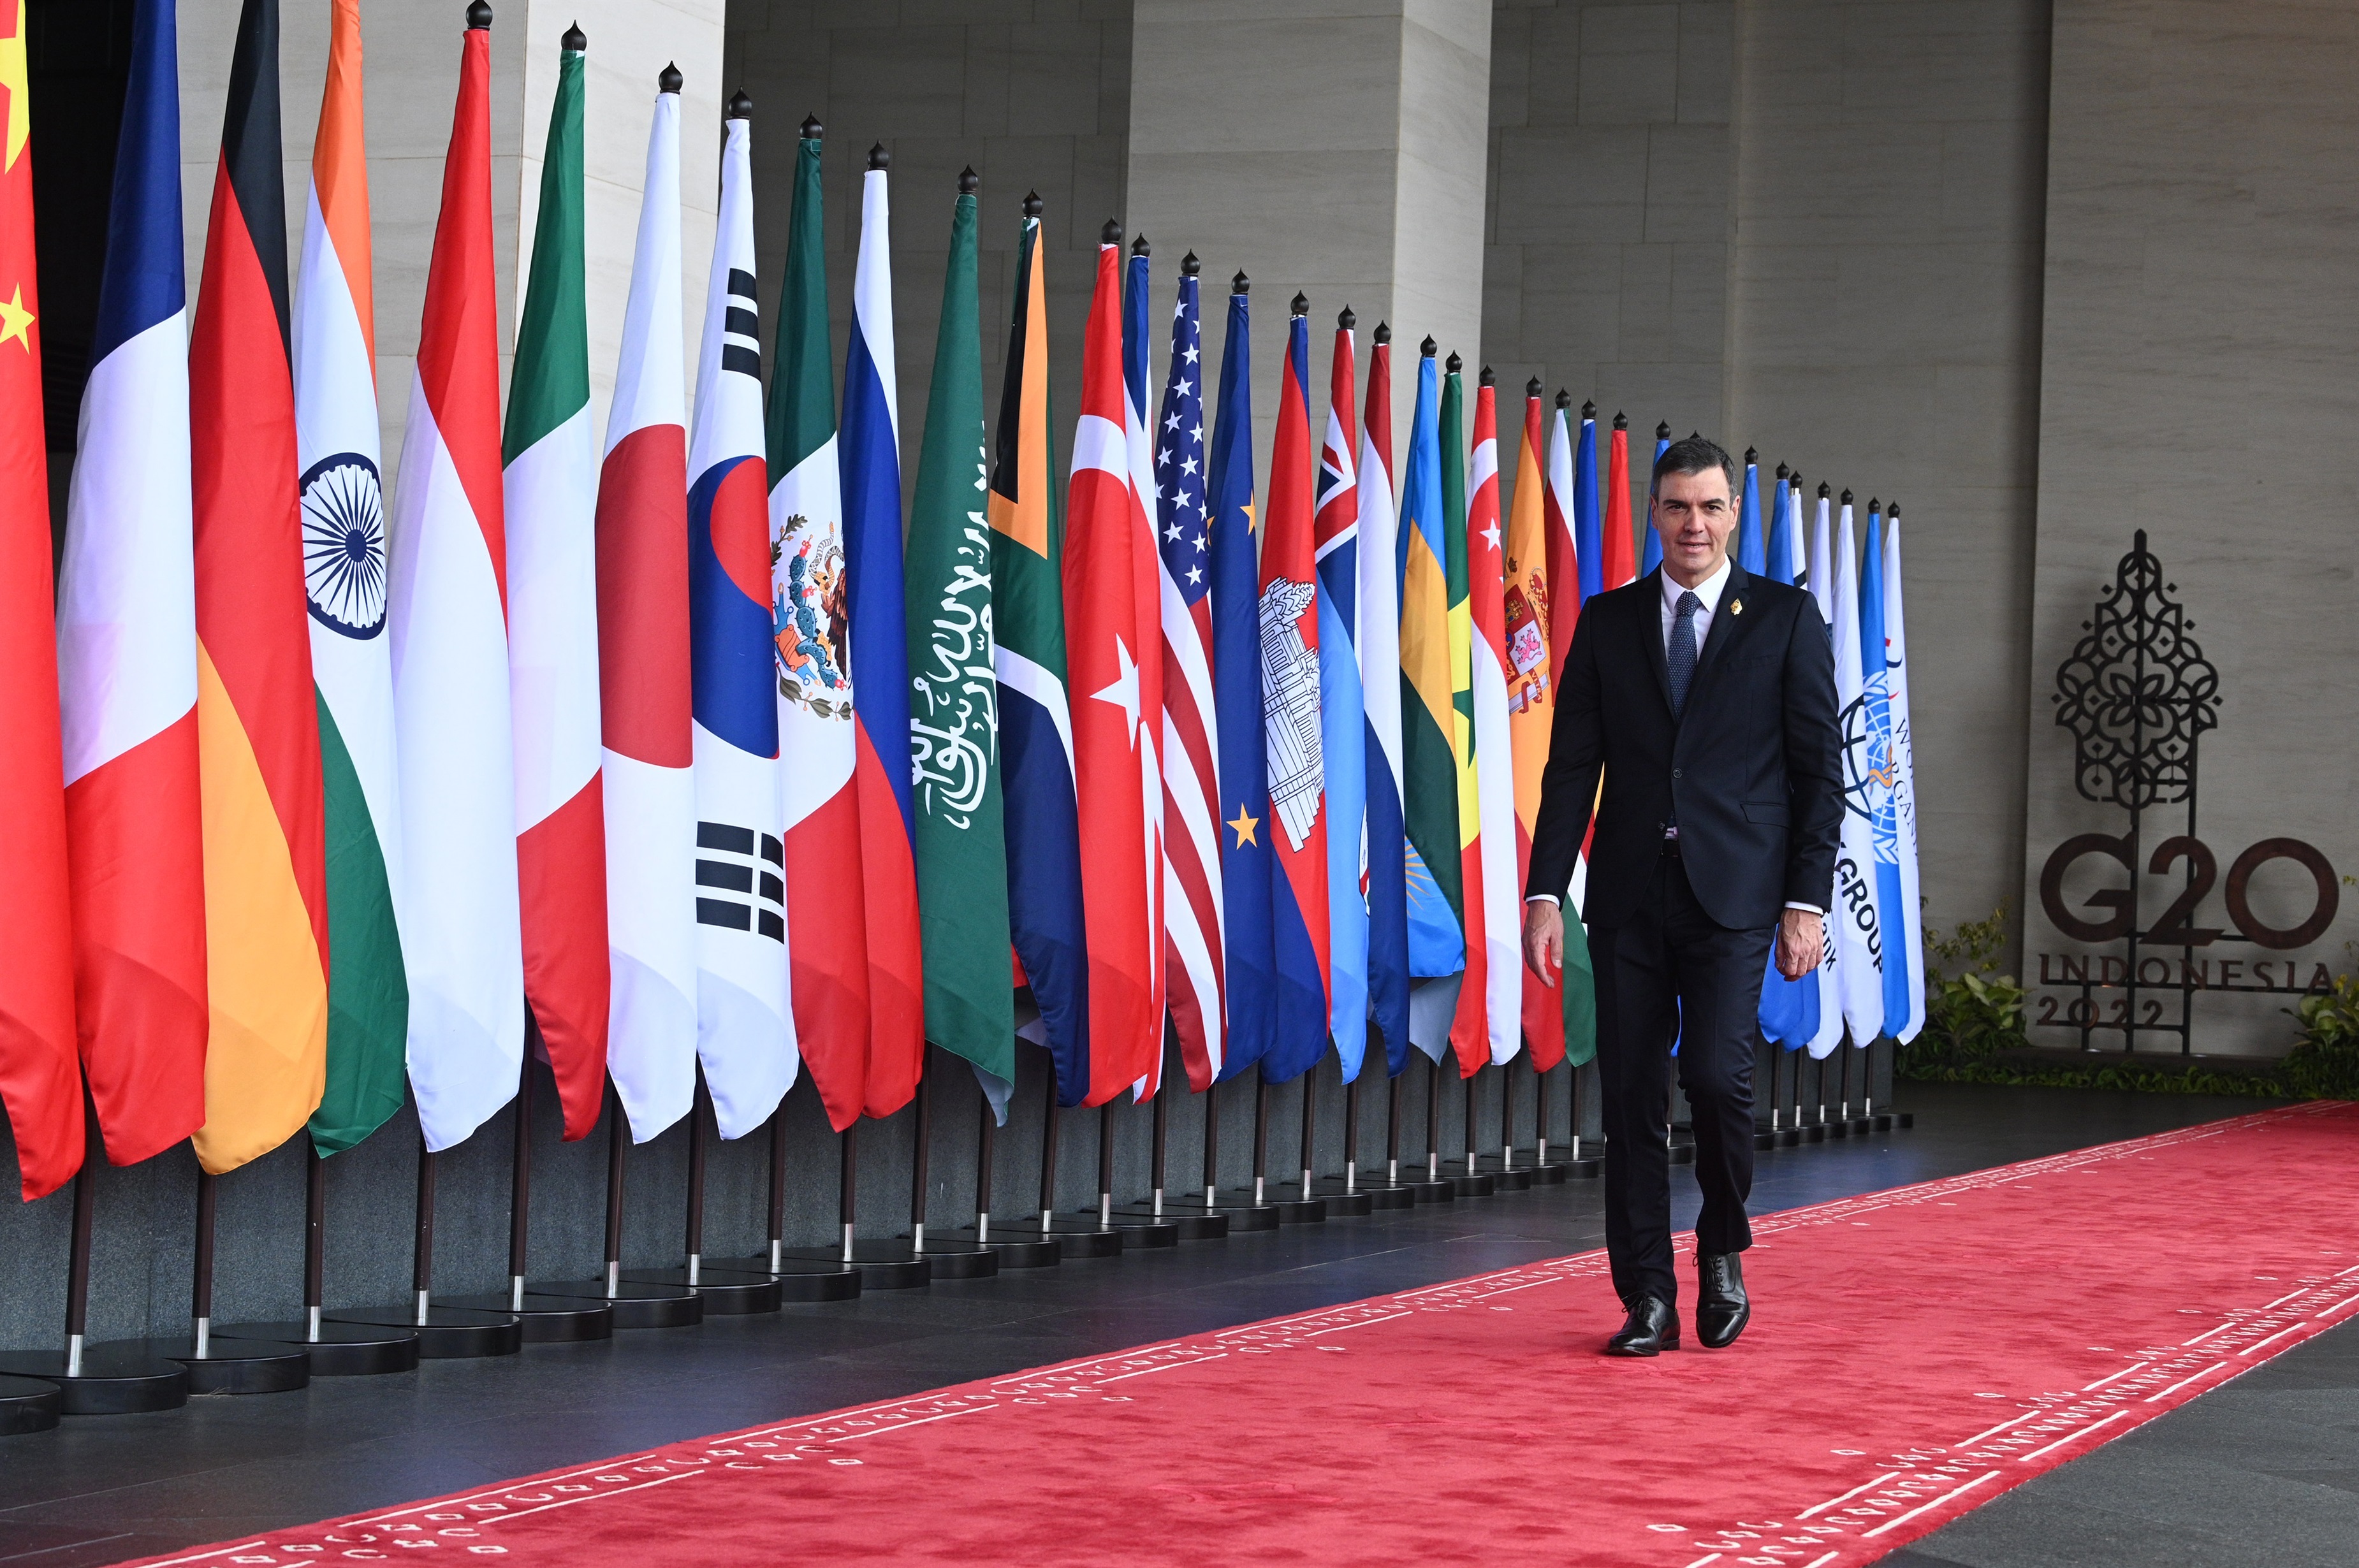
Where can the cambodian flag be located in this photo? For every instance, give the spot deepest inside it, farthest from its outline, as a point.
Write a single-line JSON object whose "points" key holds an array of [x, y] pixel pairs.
{"points": [[1293, 737]]}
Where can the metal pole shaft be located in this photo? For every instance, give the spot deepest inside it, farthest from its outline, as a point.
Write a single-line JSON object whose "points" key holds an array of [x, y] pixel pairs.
{"points": [[1049, 1159], [984, 1140], [695, 1237], [1392, 1135], [779, 1186], [1470, 1098], [1507, 1117], [201, 1295], [1105, 1166], [1310, 1123], [85, 1198], [421, 1275], [848, 1187], [1162, 1120], [315, 1239], [1539, 1109], [917, 1162], [520, 1184], [1433, 1120], [1213, 1146], [1352, 1132], [1261, 1135], [618, 1150]]}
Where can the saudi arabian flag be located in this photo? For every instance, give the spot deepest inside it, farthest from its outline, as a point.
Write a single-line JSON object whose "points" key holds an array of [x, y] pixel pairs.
{"points": [[344, 574], [954, 699]]}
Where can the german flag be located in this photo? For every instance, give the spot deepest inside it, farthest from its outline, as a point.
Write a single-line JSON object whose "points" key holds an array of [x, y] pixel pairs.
{"points": [[258, 715]]}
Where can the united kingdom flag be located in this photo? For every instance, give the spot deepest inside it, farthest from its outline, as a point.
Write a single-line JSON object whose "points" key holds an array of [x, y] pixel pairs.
{"points": [[1192, 846]]}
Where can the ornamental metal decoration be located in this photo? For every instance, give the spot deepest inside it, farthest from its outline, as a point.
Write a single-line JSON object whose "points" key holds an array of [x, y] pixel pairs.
{"points": [[2137, 692]]}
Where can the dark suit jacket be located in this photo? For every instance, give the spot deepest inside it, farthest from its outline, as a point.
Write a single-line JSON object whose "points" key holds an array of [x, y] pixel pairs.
{"points": [[1752, 765]]}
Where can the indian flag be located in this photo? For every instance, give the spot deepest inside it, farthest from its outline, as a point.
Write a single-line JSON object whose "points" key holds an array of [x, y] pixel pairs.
{"points": [[344, 574]]}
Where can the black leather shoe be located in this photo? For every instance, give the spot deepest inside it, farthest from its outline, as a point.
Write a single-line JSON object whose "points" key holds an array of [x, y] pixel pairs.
{"points": [[1721, 1308], [1653, 1328]]}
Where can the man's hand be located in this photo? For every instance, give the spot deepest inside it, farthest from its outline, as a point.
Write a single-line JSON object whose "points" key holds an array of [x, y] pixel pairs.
{"points": [[1801, 943], [1544, 939]]}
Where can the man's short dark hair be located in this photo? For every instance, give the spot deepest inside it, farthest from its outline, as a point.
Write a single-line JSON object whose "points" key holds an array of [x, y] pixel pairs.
{"points": [[1693, 455]]}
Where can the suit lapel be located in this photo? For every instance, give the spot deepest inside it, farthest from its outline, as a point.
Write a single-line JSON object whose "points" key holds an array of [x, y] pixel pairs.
{"points": [[1728, 623], [1650, 633]]}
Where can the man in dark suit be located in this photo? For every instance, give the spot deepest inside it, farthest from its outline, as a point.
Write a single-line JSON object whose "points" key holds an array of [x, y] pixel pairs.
{"points": [[1707, 697]]}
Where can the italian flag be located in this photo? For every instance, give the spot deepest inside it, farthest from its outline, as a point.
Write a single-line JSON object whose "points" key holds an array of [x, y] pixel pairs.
{"points": [[344, 576], [551, 489]]}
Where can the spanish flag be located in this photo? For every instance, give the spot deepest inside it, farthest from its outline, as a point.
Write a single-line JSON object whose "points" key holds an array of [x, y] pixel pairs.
{"points": [[257, 713]]}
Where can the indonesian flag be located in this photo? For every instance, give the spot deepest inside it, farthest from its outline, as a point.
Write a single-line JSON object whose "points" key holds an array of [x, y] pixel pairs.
{"points": [[344, 573], [550, 491], [257, 713], [40, 1080], [1112, 632], [1499, 893], [643, 707], [744, 1026], [448, 616], [876, 597], [127, 650]]}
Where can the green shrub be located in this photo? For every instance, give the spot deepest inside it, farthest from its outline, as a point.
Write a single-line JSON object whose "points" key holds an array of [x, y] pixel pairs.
{"points": [[2325, 1065], [1972, 1011]]}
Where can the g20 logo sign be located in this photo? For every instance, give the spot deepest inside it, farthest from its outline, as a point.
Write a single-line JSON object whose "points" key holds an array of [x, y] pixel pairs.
{"points": [[2109, 914]]}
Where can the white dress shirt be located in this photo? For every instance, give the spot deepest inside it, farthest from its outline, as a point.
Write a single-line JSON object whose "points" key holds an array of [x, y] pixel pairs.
{"points": [[1708, 594]]}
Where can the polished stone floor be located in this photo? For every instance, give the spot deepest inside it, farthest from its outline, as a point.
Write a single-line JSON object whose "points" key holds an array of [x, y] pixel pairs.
{"points": [[2267, 1470]]}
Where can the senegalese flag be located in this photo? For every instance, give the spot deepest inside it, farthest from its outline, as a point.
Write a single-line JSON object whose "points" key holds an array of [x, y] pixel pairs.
{"points": [[1437, 941], [1469, 1028], [550, 490], [962, 850], [257, 715], [352, 662]]}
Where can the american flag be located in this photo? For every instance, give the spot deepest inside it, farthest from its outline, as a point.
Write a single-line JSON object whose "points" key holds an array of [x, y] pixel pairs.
{"points": [[1192, 846]]}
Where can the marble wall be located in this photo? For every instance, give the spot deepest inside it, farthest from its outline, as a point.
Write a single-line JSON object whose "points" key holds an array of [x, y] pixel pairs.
{"points": [[2201, 327]]}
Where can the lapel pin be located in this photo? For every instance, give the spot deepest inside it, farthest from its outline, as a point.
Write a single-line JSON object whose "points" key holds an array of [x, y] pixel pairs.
{"points": [[1736, 607]]}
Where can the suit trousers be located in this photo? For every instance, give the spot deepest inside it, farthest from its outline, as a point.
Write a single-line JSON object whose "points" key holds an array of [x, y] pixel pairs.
{"points": [[1670, 973]]}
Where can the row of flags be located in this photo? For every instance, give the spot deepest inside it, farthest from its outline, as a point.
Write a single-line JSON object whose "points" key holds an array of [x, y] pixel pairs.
{"points": [[692, 760]]}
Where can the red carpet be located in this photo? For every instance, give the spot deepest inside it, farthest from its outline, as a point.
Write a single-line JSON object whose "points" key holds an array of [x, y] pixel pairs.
{"points": [[1915, 1353]]}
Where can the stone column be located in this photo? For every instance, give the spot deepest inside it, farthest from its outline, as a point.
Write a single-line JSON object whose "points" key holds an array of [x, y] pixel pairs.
{"points": [[1333, 147]]}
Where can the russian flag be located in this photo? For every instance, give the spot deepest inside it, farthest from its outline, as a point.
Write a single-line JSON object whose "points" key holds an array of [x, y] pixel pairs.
{"points": [[876, 604]]}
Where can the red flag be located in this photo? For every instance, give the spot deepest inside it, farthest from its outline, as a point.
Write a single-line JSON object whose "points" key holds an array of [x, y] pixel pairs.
{"points": [[1113, 638], [40, 1079], [1614, 558]]}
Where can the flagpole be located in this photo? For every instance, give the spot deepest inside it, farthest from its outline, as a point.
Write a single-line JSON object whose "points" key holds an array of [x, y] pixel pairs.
{"points": [[1345, 1199], [1432, 1189], [1013, 1248], [1471, 1181], [1071, 1239], [1351, 1134], [1206, 1220], [629, 1304], [441, 1331], [1139, 1230], [112, 1378], [945, 1258], [331, 1349], [733, 1288], [550, 1314], [217, 1364], [1162, 1133]]}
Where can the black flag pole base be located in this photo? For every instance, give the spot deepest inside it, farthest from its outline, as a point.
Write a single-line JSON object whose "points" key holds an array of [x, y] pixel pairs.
{"points": [[1235, 1219], [1350, 1204], [882, 1265], [1381, 1194], [1019, 1245], [28, 1405], [1295, 1210], [119, 1377], [798, 1278], [1904, 1119], [236, 1366], [1788, 1137], [631, 1304], [1194, 1223], [956, 1257], [339, 1349], [1142, 1229], [1504, 1177], [449, 1334], [548, 1316], [1077, 1236], [1546, 1174], [726, 1292], [1469, 1184], [1764, 1138]]}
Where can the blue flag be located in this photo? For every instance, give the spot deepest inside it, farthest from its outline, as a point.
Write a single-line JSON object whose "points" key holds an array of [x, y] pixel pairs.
{"points": [[1652, 543], [1246, 863], [1342, 715], [1883, 773], [1752, 552], [1588, 534]]}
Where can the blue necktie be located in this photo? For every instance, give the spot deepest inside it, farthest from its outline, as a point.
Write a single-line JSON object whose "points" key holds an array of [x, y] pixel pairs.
{"points": [[1681, 657]]}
